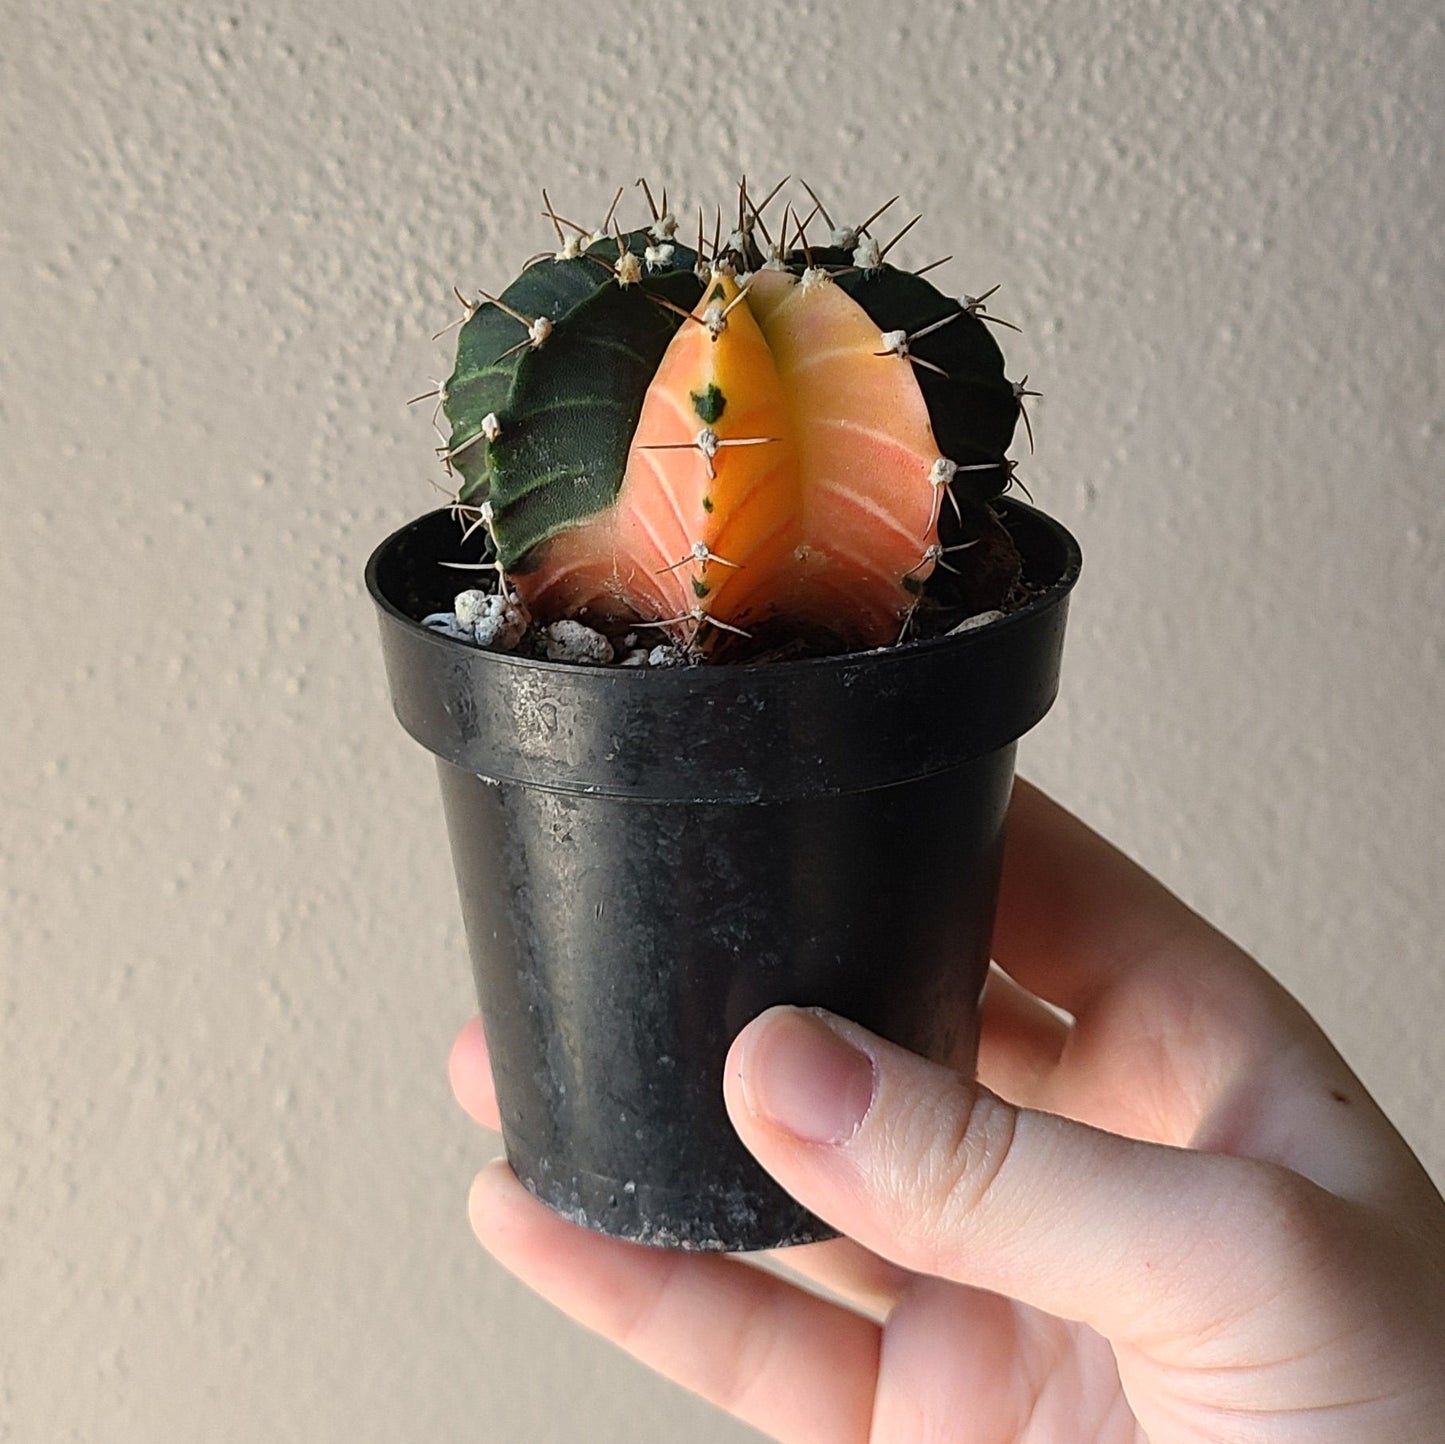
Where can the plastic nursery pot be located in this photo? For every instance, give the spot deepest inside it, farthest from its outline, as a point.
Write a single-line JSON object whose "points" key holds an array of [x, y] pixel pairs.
{"points": [[648, 859]]}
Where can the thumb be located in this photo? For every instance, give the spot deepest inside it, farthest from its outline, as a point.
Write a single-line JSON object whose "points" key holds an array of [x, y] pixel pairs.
{"points": [[935, 1173]]}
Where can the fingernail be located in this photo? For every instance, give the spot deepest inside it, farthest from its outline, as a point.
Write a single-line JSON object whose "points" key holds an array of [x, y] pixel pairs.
{"points": [[801, 1075]]}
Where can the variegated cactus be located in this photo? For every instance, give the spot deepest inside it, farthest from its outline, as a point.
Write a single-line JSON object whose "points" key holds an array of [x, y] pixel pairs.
{"points": [[751, 434]]}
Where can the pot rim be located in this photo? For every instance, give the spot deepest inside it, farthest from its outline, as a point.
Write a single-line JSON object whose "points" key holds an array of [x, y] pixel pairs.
{"points": [[762, 731]]}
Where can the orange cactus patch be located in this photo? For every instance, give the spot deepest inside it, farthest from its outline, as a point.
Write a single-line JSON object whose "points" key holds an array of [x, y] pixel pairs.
{"points": [[780, 467], [865, 448]]}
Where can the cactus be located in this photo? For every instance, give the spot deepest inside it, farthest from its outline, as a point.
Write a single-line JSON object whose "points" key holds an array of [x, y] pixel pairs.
{"points": [[726, 442]]}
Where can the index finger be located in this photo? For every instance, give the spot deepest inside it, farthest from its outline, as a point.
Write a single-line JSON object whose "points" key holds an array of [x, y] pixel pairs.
{"points": [[1077, 918], [1181, 1037]]}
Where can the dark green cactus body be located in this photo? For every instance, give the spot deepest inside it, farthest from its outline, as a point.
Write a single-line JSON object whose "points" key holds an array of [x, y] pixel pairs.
{"points": [[566, 409]]}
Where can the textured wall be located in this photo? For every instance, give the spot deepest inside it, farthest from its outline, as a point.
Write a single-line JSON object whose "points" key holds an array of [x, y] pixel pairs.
{"points": [[232, 1181]]}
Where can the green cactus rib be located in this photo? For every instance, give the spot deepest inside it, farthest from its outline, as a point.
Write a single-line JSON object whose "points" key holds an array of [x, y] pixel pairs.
{"points": [[973, 408], [567, 409], [481, 383]]}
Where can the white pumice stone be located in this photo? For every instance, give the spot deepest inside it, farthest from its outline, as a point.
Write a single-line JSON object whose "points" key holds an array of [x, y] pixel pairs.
{"points": [[635, 658], [471, 606], [979, 619], [667, 654], [496, 622], [567, 641], [446, 623]]}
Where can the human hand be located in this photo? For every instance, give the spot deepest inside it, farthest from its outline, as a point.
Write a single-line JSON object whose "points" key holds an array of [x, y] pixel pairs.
{"points": [[1178, 1217]]}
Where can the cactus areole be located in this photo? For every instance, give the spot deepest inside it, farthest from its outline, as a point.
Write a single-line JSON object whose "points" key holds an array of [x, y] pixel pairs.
{"points": [[737, 446]]}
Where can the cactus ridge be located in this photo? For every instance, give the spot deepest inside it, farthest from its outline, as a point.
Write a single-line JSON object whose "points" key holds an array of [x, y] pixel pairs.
{"points": [[972, 408], [565, 409]]}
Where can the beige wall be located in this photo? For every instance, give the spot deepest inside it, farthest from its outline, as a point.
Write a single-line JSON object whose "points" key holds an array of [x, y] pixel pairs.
{"points": [[232, 1181]]}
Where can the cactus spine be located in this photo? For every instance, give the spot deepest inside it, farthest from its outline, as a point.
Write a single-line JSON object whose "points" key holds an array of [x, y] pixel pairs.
{"points": [[717, 439]]}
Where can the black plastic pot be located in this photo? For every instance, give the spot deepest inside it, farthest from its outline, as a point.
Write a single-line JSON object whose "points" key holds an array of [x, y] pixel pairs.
{"points": [[648, 859]]}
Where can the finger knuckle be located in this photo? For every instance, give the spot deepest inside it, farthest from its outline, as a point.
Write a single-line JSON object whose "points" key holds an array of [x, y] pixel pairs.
{"points": [[1289, 1226], [747, 1368], [958, 1158]]}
